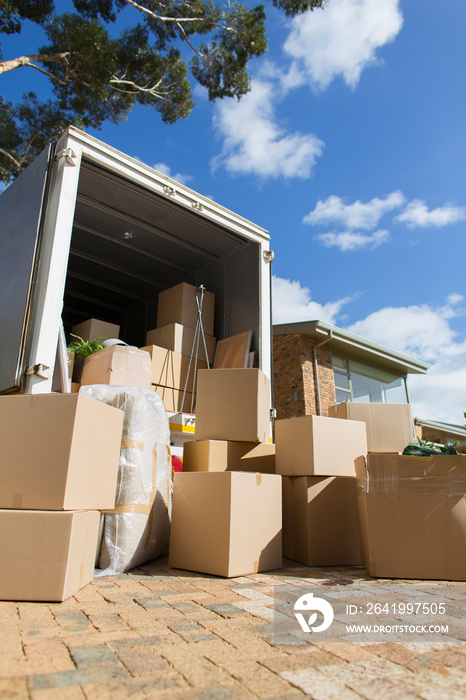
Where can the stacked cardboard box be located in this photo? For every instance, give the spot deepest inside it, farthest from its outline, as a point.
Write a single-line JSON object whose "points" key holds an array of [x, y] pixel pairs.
{"points": [[389, 426], [118, 365], [316, 455], [90, 330], [58, 469], [413, 516], [227, 522], [177, 319]]}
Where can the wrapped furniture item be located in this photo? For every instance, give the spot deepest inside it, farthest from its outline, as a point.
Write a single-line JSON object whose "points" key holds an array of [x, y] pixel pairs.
{"points": [[137, 530]]}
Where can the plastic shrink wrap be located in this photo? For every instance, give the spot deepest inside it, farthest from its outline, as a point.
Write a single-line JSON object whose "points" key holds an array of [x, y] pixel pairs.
{"points": [[137, 530]]}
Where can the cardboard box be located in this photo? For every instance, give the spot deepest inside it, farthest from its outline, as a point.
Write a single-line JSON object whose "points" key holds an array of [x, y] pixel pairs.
{"points": [[118, 365], [412, 514], [172, 369], [389, 426], [46, 555], [233, 404], [318, 446], [178, 305], [180, 338], [224, 455], [227, 524], [93, 328], [59, 452], [173, 398], [320, 520]]}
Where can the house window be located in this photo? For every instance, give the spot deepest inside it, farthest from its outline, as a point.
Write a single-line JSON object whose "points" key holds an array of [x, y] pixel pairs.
{"points": [[357, 382]]}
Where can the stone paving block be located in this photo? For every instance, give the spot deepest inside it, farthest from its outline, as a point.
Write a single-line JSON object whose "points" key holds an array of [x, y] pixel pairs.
{"points": [[318, 686], [197, 670], [402, 655], [71, 692], [46, 655], [72, 619], [148, 603], [225, 610], [14, 688], [376, 688], [348, 651], [292, 662], [140, 657], [109, 623], [255, 678], [38, 616]]}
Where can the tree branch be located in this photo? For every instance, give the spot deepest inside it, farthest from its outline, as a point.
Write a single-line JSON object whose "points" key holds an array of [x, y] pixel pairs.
{"points": [[28, 61], [115, 80], [17, 163]]}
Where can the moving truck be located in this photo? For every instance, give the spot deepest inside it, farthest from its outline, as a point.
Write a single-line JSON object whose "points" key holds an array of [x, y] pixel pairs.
{"points": [[89, 232]]}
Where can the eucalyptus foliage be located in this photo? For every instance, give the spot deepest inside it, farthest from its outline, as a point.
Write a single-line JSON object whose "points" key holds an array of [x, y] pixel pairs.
{"points": [[98, 74]]}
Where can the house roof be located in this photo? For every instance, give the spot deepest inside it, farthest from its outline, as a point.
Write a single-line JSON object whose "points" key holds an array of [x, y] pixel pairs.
{"points": [[354, 346], [459, 430]]}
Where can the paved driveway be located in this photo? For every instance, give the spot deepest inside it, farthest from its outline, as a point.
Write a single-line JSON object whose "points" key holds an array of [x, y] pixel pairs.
{"points": [[160, 633]]}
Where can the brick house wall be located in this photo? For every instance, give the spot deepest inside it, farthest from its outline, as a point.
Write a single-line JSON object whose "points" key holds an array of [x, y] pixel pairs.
{"points": [[294, 385]]}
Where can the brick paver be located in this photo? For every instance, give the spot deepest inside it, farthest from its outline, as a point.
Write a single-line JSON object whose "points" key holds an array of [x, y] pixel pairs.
{"points": [[158, 633]]}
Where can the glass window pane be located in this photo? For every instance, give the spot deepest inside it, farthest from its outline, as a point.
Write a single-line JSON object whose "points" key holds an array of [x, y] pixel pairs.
{"points": [[366, 389], [342, 396], [341, 380], [396, 392], [338, 362]]}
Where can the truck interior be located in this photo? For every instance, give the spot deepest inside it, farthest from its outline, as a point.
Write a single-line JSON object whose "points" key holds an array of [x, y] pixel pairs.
{"points": [[129, 243]]}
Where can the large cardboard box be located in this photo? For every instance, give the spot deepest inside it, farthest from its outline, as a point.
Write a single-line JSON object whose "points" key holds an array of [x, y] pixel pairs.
{"points": [[173, 398], [389, 426], [59, 452], [118, 365], [320, 520], [93, 328], [178, 305], [179, 338], [318, 446], [233, 404], [46, 555], [224, 455], [413, 516], [226, 523], [172, 369]]}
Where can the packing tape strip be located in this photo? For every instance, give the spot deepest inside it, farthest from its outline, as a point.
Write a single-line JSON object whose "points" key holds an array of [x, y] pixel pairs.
{"points": [[129, 508], [137, 444], [258, 479]]}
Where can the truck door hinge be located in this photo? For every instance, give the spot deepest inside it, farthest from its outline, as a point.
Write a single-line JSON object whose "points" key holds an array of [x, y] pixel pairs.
{"points": [[38, 370], [68, 154]]}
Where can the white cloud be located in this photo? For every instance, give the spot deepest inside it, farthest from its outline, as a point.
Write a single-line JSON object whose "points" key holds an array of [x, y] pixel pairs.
{"points": [[292, 303], [362, 215], [255, 143], [352, 240], [425, 332], [417, 214], [342, 39], [166, 170]]}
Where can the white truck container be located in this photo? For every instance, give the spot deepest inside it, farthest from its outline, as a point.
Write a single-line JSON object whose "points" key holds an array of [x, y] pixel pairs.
{"points": [[89, 232]]}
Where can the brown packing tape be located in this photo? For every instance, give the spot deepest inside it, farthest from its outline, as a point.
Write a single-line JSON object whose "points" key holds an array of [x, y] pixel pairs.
{"points": [[129, 508], [137, 444], [258, 479], [256, 567]]}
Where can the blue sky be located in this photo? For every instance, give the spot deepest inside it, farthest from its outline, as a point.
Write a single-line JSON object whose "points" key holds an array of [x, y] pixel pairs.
{"points": [[351, 151]]}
